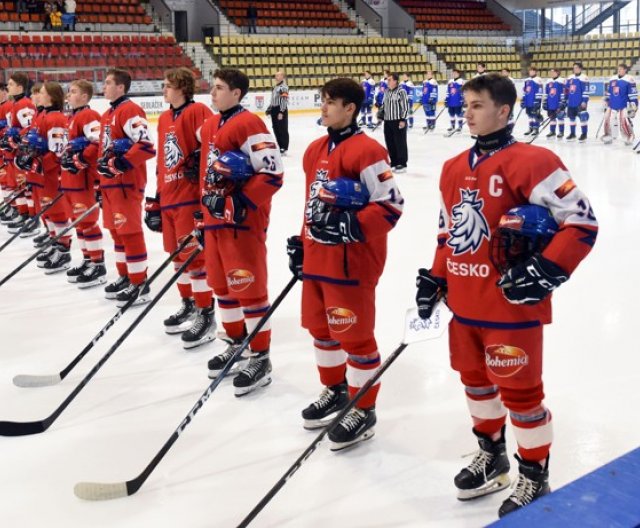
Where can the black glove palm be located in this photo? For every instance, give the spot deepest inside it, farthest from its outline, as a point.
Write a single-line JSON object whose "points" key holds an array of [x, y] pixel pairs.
{"points": [[152, 214], [430, 289], [336, 228], [295, 250], [531, 281]]}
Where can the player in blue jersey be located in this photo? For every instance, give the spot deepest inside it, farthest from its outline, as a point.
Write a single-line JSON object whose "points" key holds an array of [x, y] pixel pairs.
{"points": [[368, 86], [577, 90], [408, 86], [555, 103], [532, 101], [621, 102], [454, 101], [429, 100]]}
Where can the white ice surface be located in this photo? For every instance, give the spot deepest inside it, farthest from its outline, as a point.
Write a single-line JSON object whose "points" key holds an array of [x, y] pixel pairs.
{"points": [[236, 449]]}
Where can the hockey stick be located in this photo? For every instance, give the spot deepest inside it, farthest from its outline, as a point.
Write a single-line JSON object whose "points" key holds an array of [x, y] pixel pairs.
{"points": [[32, 222], [8, 428], [517, 117], [436, 120], [51, 241], [116, 490], [415, 330], [11, 198], [600, 125], [27, 380], [543, 125]]}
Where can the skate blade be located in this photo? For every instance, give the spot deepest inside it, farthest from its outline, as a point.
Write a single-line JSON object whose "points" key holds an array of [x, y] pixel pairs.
{"points": [[195, 344], [499, 483], [178, 329], [213, 374], [97, 282], [64, 267], [40, 264], [243, 391], [311, 425], [140, 300], [339, 446], [72, 279], [29, 234], [111, 295]]}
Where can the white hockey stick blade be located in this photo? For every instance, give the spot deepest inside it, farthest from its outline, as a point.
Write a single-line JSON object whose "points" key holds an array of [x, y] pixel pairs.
{"points": [[95, 491], [416, 329], [25, 380]]}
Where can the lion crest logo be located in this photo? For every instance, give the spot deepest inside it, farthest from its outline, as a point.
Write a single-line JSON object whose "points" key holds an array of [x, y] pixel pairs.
{"points": [[469, 226], [172, 151]]}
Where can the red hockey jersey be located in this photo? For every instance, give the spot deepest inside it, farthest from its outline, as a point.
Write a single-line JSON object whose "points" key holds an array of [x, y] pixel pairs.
{"points": [[475, 193], [360, 158], [178, 137], [21, 114], [247, 132], [84, 122], [53, 127], [125, 119]]}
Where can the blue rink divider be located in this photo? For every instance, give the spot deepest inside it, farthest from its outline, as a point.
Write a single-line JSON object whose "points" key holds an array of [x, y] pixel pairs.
{"points": [[608, 497]]}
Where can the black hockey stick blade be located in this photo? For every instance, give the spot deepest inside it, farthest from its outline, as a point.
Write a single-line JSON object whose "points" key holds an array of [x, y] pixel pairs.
{"points": [[115, 490], [11, 198], [46, 380], [415, 330], [26, 428]]}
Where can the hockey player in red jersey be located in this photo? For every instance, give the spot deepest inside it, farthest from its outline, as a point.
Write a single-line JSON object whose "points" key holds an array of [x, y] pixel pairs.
{"points": [[352, 202], [78, 179], [240, 170], [5, 107], [19, 119], [495, 192], [124, 148], [45, 142], [177, 199]]}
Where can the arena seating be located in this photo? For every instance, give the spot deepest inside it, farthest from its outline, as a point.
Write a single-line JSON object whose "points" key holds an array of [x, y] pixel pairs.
{"points": [[464, 53], [312, 61], [453, 15], [146, 56], [600, 54], [288, 13], [87, 11]]}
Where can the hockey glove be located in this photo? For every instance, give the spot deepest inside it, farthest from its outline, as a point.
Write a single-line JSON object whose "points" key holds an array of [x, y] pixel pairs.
{"points": [[229, 208], [631, 111], [430, 289], [73, 163], [335, 228], [295, 250], [198, 227], [97, 193], [110, 167], [152, 215], [531, 281], [29, 163], [521, 103]]}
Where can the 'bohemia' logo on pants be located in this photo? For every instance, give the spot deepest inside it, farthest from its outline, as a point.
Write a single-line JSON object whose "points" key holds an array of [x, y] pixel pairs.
{"points": [[189, 248], [340, 319], [239, 280], [505, 361], [79, 208], [119, 220]]}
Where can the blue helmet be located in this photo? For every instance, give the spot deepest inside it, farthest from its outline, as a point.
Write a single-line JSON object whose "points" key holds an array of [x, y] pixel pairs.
{"points": [[121, 146], [35, 143], [344, 193], [234, 165], [78, 144], [522, 232]]}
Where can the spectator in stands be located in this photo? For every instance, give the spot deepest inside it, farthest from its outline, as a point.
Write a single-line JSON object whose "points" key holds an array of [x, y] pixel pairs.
{"points": [[278, 110], [21, 6], [48, 9], [395, 109], [70, 11], [252, 17]]}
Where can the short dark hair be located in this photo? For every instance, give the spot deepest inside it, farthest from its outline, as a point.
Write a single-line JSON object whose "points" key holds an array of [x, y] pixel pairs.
{"points": [[3, 87], [623, 65], [21, 79], [182, 79], [500, 89], [394, 76], [455, 70], [482, 64], [555, 70], [56, 93], [122, 77], [234, 78], [533, 68], [578, 64], [506, 69], [346, 89]]}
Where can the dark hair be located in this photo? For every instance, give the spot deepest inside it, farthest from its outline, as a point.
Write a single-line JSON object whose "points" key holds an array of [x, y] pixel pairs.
{"points": [[555, 70], [56, 93], [394, 76], [345, 89], [367, 71], [122, 77], [482, 64], [623, 65], [182, 79], [578, 64], [533, 68], [455, 70], [35, 87], [506, 69], [21, 79], [236, 80], [3, 87], [500, 89]]}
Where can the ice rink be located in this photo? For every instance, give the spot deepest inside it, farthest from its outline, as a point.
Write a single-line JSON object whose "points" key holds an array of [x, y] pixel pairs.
{"points": [[237, 448]]}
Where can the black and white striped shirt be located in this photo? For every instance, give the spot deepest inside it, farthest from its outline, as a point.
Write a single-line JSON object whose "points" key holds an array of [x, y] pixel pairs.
{"points": [[279, 97], [395, 105]]}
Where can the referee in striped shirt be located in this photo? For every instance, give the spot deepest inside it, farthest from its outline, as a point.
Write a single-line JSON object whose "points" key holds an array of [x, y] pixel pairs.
{"points": [[277, 109], [395, 109]]}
